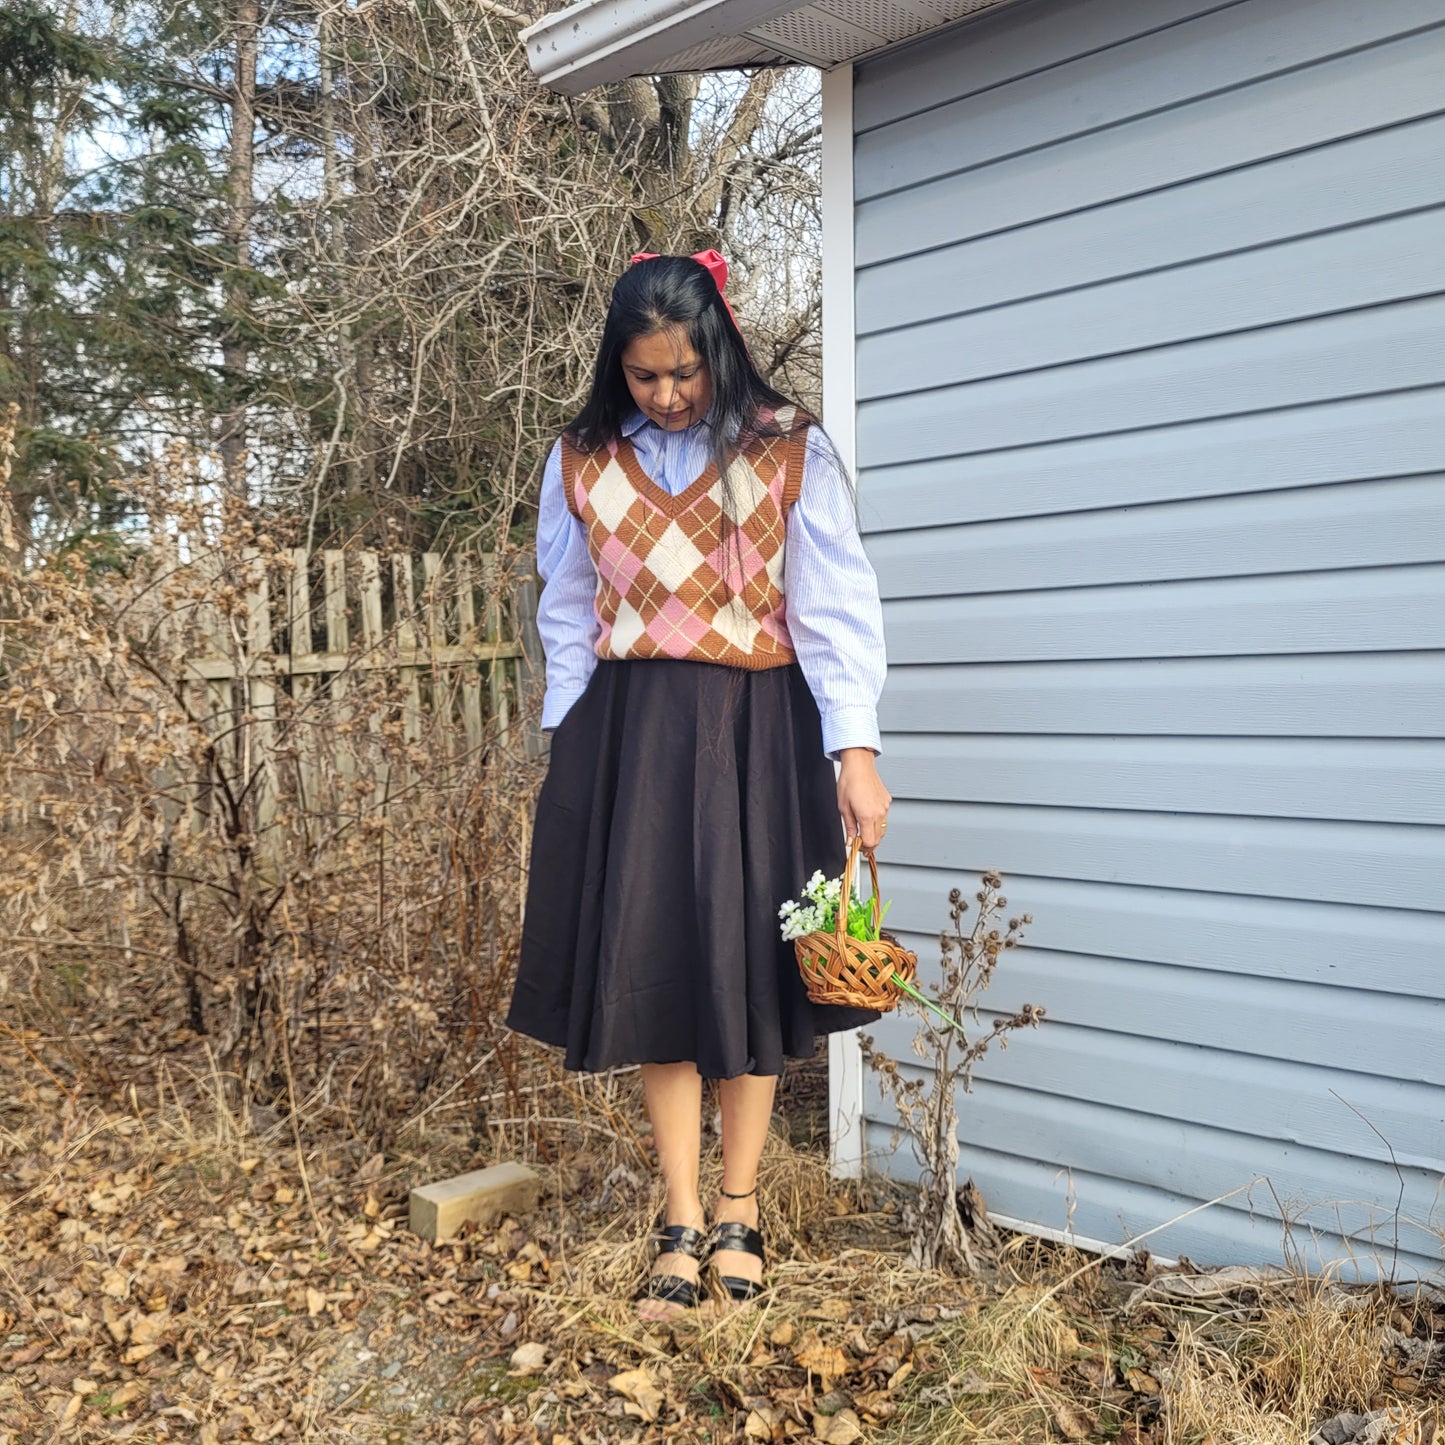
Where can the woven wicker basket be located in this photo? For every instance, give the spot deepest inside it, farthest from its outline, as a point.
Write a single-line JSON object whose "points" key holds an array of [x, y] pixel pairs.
{"points": [[839, 969]]}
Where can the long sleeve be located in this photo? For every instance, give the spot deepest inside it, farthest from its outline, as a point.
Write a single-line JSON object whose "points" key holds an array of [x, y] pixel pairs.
{"points": [[834, 615], [566, 609]]}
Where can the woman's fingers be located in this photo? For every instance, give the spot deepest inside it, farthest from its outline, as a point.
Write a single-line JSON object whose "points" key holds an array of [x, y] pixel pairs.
{"points": [[863, 800]]}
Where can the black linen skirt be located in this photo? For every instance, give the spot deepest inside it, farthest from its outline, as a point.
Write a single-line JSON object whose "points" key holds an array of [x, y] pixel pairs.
{"points": [[683, 803]]}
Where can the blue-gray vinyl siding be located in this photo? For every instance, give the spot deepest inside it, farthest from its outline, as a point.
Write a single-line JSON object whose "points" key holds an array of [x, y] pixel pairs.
{"points": [[1151, 442]]}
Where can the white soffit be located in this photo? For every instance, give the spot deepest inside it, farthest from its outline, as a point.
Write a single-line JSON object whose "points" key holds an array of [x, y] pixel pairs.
{"points": [[828, 32], [596, 41]]}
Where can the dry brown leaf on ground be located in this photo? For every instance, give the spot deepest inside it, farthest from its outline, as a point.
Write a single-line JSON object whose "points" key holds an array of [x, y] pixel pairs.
{"points": [[1074, 1422], [764, 1422], [641, 1389], [876, 1404], [840, 1429], [827, 1361]]}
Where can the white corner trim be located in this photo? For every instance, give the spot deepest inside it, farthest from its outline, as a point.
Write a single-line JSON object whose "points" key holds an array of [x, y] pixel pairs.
{"points": [[839, 346], [845, 1058]]}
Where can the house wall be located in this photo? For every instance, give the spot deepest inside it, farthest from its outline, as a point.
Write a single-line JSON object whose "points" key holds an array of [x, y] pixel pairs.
{"points": [[1150, 370]]}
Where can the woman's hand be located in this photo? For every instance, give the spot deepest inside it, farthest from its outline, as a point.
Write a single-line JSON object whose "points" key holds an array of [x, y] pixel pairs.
{"points": [[862, 799]]}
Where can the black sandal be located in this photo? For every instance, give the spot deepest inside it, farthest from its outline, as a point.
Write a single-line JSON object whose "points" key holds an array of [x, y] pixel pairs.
{"points": [[744, 1239], [673, 1288]]}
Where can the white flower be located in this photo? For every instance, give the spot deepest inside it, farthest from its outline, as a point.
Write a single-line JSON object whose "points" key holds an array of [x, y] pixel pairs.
{"points": [[817, 910]]}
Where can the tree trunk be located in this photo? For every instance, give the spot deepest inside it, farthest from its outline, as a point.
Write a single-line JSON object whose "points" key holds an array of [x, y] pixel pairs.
{"points": [[337, 458], [235, 350]]}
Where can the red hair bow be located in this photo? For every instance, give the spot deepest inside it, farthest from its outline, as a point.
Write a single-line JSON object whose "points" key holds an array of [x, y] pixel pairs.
{"points": [[717, 269]]}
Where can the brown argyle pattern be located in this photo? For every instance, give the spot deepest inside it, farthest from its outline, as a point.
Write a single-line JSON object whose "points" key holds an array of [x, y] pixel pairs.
{"points": [[668, 585]]}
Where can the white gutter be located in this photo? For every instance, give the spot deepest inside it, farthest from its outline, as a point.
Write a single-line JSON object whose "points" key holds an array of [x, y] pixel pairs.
{"points": [[596, 41]]}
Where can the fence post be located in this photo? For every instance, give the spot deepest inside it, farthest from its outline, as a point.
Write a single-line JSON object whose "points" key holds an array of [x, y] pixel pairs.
{"points": [[467, 627], [258, 712], [530, 669], [369, 589], [496, 669], [219, 708], [404, 593], [338, 645], [303, 684], [443, 678]]}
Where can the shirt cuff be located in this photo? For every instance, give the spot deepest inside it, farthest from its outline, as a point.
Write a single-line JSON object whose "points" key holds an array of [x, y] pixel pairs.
{"points": [[853, 726], [555, 707]]}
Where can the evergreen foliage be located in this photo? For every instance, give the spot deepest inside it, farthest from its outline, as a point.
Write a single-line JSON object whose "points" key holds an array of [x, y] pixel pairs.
{"points": [[355, 252]]}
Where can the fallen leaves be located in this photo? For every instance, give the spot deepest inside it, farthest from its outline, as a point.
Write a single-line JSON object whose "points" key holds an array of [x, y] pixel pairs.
{"points": [[224, 1310], [1073, 1422], [840, 1429], [827, 1361], [641, 1391]]}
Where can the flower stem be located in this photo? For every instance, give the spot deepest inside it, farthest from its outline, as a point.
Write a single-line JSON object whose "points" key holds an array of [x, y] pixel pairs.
{"points": [[928, 1003]]}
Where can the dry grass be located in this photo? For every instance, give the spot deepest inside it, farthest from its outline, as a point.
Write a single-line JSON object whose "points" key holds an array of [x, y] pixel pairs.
{"points": [[1309, 1350], [214, 1212], [287, 1301]]}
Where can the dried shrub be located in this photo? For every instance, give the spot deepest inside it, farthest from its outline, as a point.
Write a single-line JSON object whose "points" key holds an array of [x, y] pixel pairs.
{"points": [[927, 1103], [317, 872]]}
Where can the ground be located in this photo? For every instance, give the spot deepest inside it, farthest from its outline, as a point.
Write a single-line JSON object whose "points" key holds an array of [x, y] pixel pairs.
{"points": [[171, 1272]]}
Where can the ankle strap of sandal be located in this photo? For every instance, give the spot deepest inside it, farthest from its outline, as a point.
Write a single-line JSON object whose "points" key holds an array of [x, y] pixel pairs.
{"points": [[679, 1239], [748, 1195]]}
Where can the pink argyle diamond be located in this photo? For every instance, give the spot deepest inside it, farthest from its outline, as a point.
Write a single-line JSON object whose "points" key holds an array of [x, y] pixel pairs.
{"points": [[618, 563], [724, 558], [675, 629]]}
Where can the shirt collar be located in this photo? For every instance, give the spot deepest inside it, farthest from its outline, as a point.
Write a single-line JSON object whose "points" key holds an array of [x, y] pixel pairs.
{"points": [[637, 419]]}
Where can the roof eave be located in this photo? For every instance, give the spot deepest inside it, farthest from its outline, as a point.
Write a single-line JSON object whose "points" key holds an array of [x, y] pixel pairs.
{"points": [[597, 41]]}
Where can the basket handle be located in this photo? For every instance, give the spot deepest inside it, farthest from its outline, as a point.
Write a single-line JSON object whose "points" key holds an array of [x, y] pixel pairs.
{"points": [[855, 846]]}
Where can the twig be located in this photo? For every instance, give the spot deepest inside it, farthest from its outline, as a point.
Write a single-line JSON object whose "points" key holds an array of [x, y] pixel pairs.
{"points": [[1119, 1250], [1399, 1174]]}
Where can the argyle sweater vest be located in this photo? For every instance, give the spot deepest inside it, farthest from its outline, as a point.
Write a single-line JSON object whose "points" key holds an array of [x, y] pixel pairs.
{"points": [[668, 583]]}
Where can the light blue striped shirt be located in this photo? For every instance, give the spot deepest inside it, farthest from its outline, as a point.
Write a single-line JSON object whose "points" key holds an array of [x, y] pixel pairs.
{"points": [[834, 616]]}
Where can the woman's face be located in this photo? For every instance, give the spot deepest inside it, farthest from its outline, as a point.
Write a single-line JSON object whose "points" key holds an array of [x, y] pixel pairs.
{"points": [[668, 380]]}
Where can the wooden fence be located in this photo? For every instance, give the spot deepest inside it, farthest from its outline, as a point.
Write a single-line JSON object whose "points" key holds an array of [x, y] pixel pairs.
{"points": [[455, 632]]}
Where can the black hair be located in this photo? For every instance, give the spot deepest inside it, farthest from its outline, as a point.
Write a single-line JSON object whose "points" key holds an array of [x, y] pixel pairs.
{"points": [[676, 292]]}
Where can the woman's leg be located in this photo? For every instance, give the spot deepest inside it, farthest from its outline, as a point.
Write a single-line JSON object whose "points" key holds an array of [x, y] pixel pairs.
{"points": [[747, 1107], [674, 1104]]}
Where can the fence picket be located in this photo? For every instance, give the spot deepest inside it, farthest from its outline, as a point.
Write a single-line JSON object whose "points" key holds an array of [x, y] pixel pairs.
{"points": [[369, 570], [530, 670], [303, 685], [403, 589], [443, 678], [238, 676], [338, 644], [471, 689], [497, 678], [257, 731]]}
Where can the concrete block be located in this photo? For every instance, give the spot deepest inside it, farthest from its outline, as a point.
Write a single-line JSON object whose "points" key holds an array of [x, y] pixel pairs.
{"points": [[485, 1195]]}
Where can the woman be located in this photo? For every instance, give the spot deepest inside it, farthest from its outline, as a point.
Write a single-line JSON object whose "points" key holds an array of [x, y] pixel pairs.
{"points": [[714, 642]]}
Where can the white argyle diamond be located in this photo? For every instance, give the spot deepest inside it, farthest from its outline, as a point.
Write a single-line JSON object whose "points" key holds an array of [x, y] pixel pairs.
{"points": [[611, 495], [626, 631], [674, 558]]}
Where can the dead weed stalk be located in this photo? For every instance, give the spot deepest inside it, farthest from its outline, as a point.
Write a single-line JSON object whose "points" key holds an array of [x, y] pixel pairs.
{"points": [[311, 873], [927, 1099]]}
